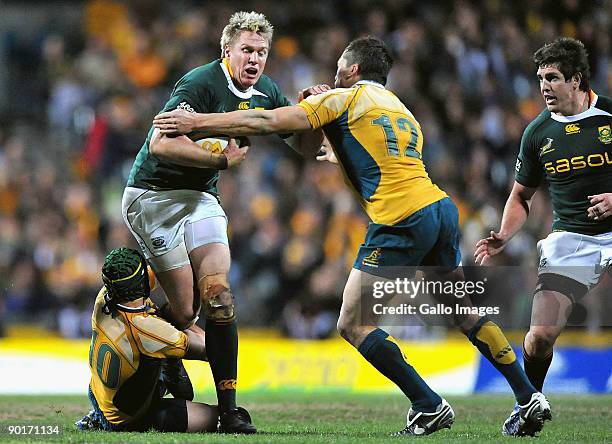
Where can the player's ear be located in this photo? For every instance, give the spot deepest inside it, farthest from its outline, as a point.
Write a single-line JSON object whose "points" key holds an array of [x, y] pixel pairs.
{"points": [[226, 51], [577, 78]]}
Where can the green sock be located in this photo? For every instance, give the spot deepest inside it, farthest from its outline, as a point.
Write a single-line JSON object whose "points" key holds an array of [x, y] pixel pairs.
{"points": [[222, 351], [381, 350], [493, 345]]}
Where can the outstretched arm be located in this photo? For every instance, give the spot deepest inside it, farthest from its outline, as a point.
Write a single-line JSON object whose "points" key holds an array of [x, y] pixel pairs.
{"points": [[308, 143], [515, 214], [236, 123]]}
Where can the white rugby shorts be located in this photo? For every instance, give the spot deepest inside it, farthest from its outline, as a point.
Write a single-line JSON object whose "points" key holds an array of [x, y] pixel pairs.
{"points": [[580, 257], [169, 224]]}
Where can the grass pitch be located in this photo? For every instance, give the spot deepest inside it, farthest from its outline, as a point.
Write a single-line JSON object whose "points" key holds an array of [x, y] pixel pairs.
{"points": [[322, 418]]}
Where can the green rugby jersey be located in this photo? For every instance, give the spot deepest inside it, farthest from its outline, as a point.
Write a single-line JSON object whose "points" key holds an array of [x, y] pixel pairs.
{"points": [[574, 155], [206, 89]]}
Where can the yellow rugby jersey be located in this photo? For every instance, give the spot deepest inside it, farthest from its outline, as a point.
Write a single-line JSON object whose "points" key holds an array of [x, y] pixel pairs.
{"points": [[124, 358], [379, 145]]}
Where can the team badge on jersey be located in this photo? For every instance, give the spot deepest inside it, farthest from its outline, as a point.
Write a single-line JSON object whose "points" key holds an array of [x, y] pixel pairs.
{"points": [[547, 148], [372, 258], [572, 128], [605, 134]]}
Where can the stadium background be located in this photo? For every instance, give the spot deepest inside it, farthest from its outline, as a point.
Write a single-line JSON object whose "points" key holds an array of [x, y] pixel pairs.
{"points": [[80, 82]]}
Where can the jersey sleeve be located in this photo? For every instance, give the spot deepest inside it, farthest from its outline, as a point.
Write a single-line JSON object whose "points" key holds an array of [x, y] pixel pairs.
{"points": [[322, 109], [157, 338], [278, 99], [528, 171], [191, 96]]}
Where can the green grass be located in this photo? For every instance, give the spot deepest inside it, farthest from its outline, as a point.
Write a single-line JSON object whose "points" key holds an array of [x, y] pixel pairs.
{"points": [[323, 418]]}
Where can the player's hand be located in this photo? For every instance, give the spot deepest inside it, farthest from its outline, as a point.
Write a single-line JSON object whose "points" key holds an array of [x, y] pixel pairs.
{"points": [[326, 153], [601, 206], [235, 154], [313, 91], [175, 121], [488, 247]]}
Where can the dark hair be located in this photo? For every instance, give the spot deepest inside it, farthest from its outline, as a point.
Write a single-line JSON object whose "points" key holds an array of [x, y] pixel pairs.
{"points": [[372, 56], [125, 276], [569, 56]]}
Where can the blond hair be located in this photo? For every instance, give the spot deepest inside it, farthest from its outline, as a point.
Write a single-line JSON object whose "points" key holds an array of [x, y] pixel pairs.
{"points": [[245, 21]]}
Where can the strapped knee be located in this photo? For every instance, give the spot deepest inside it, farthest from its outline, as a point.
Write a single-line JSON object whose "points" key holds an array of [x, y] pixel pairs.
{"points": [[217, 298]]}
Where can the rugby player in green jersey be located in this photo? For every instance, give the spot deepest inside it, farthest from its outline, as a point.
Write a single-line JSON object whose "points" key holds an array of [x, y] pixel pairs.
{"points": [[171, 205], [570, 145], [378, 144]]}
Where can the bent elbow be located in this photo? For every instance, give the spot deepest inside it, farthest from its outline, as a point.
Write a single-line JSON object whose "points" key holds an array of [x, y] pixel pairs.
{"points": [[154, 147], [158, 147]]}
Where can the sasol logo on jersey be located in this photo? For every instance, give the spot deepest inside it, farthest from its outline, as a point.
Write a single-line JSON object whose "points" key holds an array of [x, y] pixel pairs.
{"points": [[572, 128], [578, 163]]}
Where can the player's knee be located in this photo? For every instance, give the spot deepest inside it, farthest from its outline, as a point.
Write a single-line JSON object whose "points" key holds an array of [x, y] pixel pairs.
{"points": [[217, 298], [540, 340]]}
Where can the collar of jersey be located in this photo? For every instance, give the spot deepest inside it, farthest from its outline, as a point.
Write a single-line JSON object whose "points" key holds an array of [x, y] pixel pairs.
{"points": [[370, 82], [246, 94], [590, 112]]}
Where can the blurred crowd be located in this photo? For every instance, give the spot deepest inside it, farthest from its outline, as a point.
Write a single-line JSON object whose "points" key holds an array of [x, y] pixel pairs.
{"points": [[80, 86]]}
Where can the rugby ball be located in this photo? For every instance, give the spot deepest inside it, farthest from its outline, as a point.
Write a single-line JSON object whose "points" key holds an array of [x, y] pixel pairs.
{"points": [[218, 144], [213, 144]]}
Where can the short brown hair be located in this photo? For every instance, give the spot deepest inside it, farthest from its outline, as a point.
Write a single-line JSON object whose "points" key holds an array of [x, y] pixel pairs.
{"points": [[569, 56]]}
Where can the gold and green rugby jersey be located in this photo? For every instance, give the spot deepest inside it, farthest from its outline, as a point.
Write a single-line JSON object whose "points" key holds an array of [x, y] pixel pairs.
{"points": [[125, 356], [379, 145], [574, 155], [206, 89]]}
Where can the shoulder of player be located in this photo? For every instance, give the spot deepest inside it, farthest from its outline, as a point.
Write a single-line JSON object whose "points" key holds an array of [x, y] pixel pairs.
{"points": [[534, 133], [154, 327], [604, 103], [100, 295], [99, 303], [203, 75], [538, 123]]}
